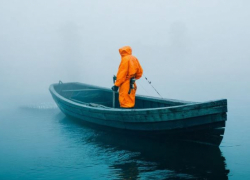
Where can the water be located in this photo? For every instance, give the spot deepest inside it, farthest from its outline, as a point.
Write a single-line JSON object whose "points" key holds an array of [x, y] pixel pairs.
{"points": [[38, 142]]}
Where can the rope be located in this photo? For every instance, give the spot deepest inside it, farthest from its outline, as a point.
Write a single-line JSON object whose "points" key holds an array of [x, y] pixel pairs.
{"points": [[152, 86], [143, 87]]}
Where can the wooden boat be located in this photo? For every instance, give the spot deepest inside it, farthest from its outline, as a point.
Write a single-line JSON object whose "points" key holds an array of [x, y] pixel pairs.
{"points": [[152, 117]]}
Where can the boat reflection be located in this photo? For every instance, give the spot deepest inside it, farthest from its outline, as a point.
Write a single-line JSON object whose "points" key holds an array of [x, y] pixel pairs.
{"points": [[149, 159]]}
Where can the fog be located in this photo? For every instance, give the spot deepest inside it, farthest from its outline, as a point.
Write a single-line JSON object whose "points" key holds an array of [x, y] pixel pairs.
{"points": [[191, 50]]}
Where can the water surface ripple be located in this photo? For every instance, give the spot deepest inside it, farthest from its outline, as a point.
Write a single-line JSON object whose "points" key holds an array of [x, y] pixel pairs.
{"points": [[42, 143]]}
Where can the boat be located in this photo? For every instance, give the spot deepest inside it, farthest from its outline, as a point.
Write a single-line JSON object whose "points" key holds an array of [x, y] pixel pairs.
{"points": [[157, 118]]}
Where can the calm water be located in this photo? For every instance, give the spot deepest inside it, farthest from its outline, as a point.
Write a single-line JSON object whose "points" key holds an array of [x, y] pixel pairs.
{"points": [[38, 142]]}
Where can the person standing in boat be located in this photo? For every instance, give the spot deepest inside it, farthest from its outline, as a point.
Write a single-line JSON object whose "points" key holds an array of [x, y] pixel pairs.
{"points": [[129, 71]]}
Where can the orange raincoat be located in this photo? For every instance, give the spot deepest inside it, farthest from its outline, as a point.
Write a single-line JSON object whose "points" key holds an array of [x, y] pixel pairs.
{"points": [[129, 67]]}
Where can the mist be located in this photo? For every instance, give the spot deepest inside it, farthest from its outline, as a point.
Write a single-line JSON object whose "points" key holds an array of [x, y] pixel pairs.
{"points": [[190, 50]]}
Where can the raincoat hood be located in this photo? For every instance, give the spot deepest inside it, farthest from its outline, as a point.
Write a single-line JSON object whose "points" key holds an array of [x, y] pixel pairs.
{"points": [[125, 51]]}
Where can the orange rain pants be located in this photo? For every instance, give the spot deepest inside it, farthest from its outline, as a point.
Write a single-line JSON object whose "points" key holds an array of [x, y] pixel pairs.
{"points": [[129, 67]]}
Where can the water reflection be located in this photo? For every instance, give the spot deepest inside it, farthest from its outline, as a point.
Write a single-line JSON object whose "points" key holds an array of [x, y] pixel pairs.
{"points": [[133, 157]]}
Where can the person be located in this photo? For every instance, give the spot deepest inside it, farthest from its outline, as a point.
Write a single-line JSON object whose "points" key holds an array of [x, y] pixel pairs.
{"points": [[129, 68]]}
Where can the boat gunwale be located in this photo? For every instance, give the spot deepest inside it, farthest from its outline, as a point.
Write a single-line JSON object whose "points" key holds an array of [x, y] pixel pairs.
{"points": [[110, 109], [136, 114]]}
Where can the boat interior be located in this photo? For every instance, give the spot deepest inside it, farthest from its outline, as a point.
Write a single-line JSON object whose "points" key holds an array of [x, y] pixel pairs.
{"points": [[103, 97]]}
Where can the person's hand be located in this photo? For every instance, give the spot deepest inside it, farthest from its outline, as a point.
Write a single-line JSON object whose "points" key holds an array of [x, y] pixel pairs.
{"points": [[115, 88]]}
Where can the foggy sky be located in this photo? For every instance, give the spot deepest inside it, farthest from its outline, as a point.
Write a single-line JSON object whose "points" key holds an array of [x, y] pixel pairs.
{"points": [[191, 50]]}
